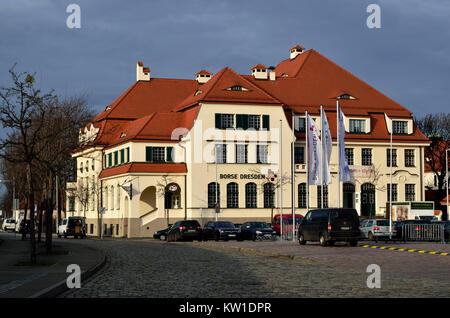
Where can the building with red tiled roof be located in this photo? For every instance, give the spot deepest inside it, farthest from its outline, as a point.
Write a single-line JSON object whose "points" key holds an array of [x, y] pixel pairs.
{"points": [[209, 148]]}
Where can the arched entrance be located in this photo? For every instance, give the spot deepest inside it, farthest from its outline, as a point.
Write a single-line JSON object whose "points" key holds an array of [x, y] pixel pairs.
{"points": [[349, 196], [368, 200], [147, 201]]}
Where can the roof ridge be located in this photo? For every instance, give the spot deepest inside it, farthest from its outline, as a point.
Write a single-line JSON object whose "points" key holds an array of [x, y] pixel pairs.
{"points": [[309, 52]]}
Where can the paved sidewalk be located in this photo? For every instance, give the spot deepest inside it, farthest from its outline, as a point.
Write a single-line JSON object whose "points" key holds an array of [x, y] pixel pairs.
{"points": [[21, 281]]}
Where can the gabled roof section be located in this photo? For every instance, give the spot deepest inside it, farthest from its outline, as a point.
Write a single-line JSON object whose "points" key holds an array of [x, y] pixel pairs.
{"points": [[217, 90], [158, 127], [290, 68], [144, 167], [146, 97]]}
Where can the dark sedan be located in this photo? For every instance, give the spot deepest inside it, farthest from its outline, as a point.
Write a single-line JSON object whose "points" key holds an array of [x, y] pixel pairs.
{"points": [[256, 231], [185, 230], [162, 234], [220, 231]]}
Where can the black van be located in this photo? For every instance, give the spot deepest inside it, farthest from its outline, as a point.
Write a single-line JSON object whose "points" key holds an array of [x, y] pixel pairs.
{"points": [[330, 225]]}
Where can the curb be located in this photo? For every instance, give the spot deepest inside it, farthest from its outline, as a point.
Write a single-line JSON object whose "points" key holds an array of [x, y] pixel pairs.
{"points": [[61, 287], [405, 250]]}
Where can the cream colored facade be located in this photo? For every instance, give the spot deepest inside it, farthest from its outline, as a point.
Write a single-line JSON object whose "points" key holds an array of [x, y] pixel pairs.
{"points": [[145, 212]]}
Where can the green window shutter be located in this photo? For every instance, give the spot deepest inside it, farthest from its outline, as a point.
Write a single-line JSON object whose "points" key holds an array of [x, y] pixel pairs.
{"points": [[219, 121], [122, 156], [169, 157], [116, 158], [245, 121], [128, 154], [105, 161], [266, 122], [149, 154], [239, 121], [110, 160]]}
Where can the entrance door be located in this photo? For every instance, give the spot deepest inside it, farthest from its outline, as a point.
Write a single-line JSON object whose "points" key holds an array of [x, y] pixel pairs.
{"points": [[349, 196], [368, 200]]}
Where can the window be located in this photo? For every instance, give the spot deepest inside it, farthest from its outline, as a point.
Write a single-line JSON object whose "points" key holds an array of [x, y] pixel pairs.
{"points": [[212, 188], [399, 127], [349, 155], [269, 195], [409, 158], [394, 157], [221, 153], [301, 124], [92, 228], [250, 195], [410, 192], [394, 192], [261, 153], [325, 196], [155, 154], [236, 88], [302, 195], [232, 195], [299, 155], [227, 121], [357, 126], [241, 153], [254, 121], [366, 157], [71, 204]]}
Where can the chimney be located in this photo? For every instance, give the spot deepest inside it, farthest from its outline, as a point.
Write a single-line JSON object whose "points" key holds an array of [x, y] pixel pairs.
{"points": [[296, 50], [203, 76], [142, 73], [259, 71], [272, 76]]}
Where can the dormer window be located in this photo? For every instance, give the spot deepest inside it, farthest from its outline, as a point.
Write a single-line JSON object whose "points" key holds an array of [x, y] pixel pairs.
{"points": [[400, 127], [123, 135], [198, 92], [346, 96], [357, 126], [237, 88]]}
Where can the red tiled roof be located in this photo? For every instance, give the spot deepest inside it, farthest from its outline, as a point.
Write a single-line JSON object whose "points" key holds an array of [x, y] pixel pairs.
{"points": [[144, 167], [216, 90], [262, 66], [203, 72], [297, 47]]}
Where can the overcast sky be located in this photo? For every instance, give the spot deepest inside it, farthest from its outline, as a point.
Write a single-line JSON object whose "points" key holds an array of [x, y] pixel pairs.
{"points": [[408, 59]]}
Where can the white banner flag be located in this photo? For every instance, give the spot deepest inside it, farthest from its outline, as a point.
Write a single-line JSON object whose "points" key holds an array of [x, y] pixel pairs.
{"points": [[314, 151], [327, 148], [344, 171]]}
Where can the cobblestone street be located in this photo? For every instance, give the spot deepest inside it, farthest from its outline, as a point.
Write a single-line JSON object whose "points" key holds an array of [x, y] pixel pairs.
{"points": [[147, 268]]}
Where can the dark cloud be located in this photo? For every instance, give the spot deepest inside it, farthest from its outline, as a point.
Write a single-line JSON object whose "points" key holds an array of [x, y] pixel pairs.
{"points": [[407, 59]]}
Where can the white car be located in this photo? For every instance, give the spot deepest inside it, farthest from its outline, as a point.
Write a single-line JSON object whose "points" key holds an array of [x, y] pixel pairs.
{"points": [[62, 228], [9, 225], [375, 229]]}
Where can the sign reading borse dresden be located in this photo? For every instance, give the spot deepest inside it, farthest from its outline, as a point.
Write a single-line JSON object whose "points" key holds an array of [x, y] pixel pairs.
{"points": [[242, 176]]}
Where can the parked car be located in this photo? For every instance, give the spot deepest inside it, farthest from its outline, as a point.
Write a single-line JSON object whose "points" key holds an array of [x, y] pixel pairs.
{"points": [[73, 226], [185, 230], [162, 234], [222, 230], [330, 225], [256, 230], [287, 223], [9, 225], [376, 229]]}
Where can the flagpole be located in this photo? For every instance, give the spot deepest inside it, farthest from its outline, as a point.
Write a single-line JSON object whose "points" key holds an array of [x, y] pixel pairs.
{"points": [[307, 161], [281, 180], [390, 187], [293, 175], [339, 156], [321, 157]]}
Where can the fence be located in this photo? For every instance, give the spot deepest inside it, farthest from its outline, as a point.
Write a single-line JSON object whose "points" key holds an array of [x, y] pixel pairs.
{"points": [[423, 232]]}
